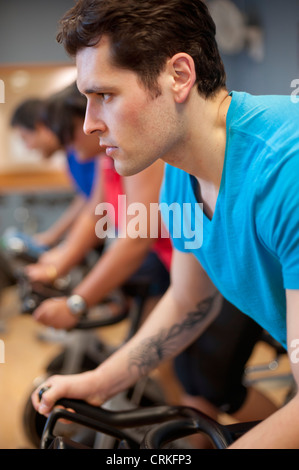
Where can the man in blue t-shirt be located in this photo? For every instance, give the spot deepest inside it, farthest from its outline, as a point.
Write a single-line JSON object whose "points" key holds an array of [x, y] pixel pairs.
{"points": [[233, 161], [255, 218]]}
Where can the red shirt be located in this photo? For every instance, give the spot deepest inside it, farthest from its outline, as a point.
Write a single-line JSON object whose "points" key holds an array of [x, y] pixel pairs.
{"points": [[112, 188]]}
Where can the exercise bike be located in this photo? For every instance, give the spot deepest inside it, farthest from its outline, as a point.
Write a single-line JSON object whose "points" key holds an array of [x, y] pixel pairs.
{"points": [[83, 350]]}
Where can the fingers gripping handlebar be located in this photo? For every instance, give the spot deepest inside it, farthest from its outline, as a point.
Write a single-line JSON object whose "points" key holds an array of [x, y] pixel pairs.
{"points": [[33, 294]]}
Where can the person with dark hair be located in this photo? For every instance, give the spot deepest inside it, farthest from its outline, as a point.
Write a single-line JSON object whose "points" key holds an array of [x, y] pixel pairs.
{"points": [[34, 123], [27, 121], [27, 114], [155, 88]]}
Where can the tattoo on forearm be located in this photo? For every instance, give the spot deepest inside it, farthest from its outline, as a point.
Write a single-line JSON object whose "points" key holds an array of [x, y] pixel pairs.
{"points": [[154, 349]]}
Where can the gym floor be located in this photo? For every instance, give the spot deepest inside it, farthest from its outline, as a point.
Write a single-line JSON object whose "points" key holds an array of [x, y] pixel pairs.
{"points": [[28, 350]]}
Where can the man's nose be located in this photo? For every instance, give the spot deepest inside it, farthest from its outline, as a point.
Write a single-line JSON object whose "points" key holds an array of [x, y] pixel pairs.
{"points": [[93, 122]]}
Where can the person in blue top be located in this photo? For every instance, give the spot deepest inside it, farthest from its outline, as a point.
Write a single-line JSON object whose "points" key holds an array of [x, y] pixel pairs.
{"points": [[232, 160], [82, 173], [28, 121]]}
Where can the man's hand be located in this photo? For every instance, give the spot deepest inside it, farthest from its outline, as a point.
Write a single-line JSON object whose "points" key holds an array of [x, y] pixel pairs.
{"points": [[55, 313], [48, 267], [45, 273], [52, 256], [78, 386]]}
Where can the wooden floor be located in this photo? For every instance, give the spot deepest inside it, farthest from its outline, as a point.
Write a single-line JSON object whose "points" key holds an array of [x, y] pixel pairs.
{"points": [[25, 359], [26, 356]]}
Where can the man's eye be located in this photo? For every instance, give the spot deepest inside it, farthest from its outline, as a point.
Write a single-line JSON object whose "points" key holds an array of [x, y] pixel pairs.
{"points": [[104, 96]]}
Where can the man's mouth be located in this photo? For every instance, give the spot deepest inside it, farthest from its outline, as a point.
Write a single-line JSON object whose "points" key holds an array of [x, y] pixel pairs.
{"points": [[109, 149]]}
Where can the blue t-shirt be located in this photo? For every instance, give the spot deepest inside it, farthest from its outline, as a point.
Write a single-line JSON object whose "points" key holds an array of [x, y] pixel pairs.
{"points": [[250, 248], [82, 173]]}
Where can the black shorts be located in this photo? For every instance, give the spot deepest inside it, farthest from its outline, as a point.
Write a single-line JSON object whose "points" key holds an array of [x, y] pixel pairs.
{"points": [[213, 366]]}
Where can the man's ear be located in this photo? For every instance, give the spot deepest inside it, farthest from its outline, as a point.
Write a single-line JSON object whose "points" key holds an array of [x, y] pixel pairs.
{"points": [[183, 72]]}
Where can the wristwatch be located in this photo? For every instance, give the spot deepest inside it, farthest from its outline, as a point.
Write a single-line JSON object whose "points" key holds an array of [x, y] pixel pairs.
{"points": [[77, 305]]}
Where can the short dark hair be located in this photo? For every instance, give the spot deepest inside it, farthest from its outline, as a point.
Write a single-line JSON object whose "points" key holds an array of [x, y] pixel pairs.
{"points": [[27, 114], [145, 33], [60, 111]]}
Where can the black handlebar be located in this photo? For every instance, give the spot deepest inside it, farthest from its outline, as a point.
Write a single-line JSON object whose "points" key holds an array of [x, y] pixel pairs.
{"points": [[32, 294], [178, 421], [221, 435], [159, 436]]}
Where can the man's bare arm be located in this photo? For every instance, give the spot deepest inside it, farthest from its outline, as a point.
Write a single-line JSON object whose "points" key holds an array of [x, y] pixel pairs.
{"points": [[188, 307], [164, 344]]}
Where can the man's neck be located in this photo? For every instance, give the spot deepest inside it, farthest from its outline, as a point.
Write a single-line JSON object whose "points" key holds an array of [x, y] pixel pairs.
{"points": [[205, 145]]}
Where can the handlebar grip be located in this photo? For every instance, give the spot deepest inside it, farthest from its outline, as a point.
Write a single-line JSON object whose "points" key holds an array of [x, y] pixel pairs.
{"points": [[86, 322], [33, 294]]}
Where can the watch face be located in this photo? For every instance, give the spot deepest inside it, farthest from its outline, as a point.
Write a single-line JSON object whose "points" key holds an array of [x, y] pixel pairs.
{"points": [[76, 304]]}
